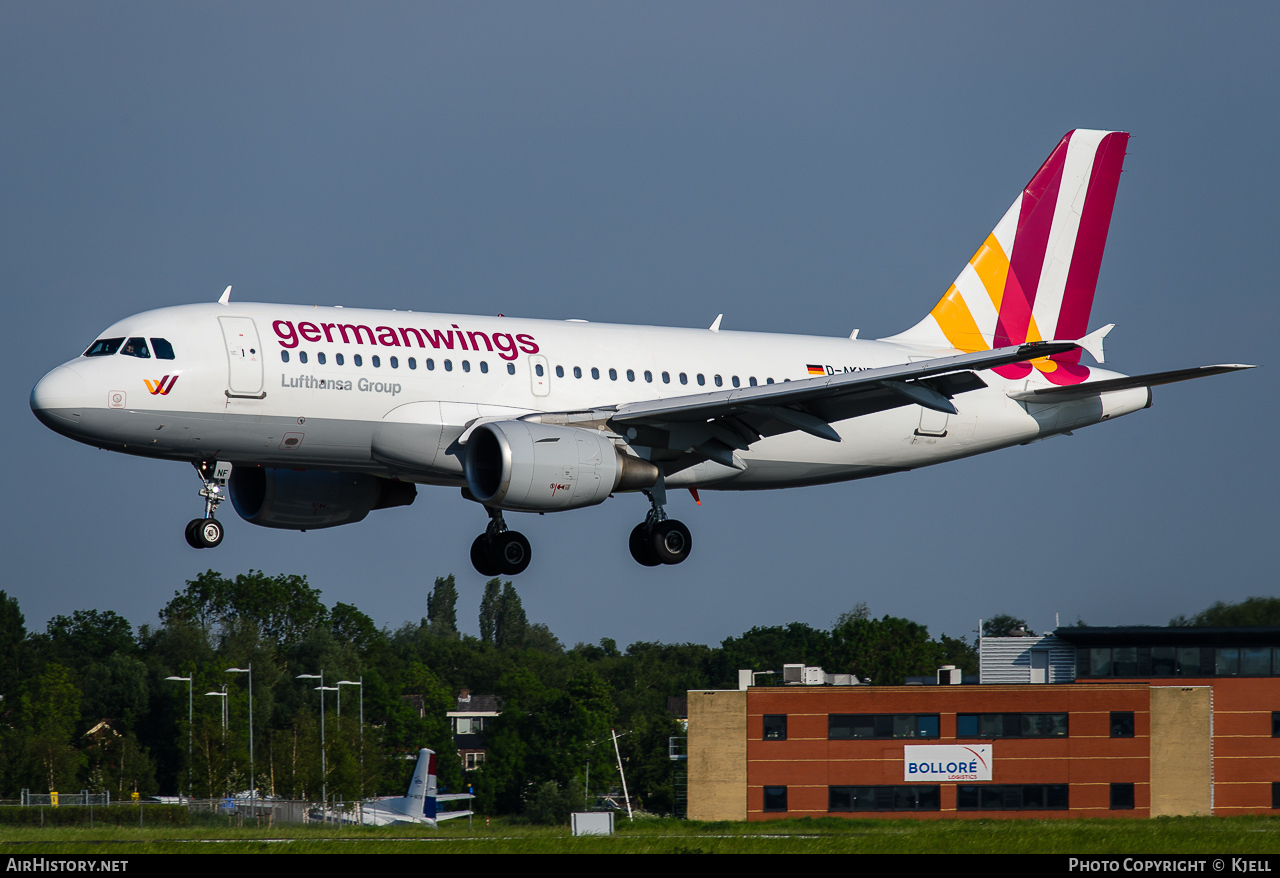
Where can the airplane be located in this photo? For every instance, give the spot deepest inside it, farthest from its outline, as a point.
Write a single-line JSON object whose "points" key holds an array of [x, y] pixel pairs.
{"points": [[420, 804], [313, 417]]}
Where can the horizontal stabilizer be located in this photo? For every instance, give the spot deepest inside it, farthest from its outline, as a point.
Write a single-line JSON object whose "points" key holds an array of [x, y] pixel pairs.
{"points": [[1093, 388]]}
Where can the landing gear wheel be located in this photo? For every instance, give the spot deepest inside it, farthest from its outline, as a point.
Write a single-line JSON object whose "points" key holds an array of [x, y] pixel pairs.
{"points": [[671, 541], [208, 533], [482, 559], [511, 551], [192, 540], [641, 547]]}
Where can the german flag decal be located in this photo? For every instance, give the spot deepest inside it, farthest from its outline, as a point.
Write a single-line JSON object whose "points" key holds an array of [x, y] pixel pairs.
{"points": [[816, 370]]}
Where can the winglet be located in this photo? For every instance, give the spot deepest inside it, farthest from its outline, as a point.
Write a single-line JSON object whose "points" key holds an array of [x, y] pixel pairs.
{"points": [[715, 327], [1093, 342], [225, 297]]}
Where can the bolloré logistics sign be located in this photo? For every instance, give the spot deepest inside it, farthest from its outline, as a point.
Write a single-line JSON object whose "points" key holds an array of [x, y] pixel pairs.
{"points": [[946, 762]]}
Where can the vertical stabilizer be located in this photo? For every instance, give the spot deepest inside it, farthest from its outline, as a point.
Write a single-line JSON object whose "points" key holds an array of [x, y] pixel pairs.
{"points": [[421, 797], [1034, 277]]}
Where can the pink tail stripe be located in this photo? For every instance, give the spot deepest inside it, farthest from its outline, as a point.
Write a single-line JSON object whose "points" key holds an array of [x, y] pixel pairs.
{"points": [[1039, 203], [1091, 240]]}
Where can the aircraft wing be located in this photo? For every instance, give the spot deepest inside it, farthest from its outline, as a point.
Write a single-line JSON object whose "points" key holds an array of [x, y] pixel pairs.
{"points": [[715, 424], [1093, 388], [454, 797]]}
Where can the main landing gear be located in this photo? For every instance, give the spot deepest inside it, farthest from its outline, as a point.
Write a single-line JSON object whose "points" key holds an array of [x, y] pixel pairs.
{"points": [[498, 551], [205, 533], [658, 539]]}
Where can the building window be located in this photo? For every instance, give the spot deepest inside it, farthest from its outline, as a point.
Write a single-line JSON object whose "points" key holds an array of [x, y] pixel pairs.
{"points": [[1122, 723], [775, 727], [841, 726], [472, 761], [775, 798], [1275, 723], [1011, 725], [1012, 797], [904, 798], [1275, 795], [1122, 797]]}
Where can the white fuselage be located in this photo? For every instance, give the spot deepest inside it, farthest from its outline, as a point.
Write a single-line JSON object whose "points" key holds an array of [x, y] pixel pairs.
{"points": [[248, 405]]}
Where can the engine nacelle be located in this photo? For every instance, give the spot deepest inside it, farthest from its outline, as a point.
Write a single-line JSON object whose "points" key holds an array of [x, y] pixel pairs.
{"points": [[530, 467], [311, 499]]}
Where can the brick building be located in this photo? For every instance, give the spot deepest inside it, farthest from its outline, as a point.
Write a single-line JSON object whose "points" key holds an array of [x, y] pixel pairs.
{"points": [[1143, 722]]}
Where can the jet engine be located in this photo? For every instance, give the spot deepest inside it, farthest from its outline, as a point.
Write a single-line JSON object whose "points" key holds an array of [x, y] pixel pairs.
{"points": [[307, 499], [530, 467]]}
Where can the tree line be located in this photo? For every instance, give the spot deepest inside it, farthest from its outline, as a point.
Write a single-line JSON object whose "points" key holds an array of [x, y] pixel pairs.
{"points": [[89, 703]]}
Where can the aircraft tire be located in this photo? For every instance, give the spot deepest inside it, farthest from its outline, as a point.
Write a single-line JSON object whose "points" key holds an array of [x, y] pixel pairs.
{"points": [[192, 540], [208, 532], [481, 559], [640, 547], [671, 541], [512, 552]]}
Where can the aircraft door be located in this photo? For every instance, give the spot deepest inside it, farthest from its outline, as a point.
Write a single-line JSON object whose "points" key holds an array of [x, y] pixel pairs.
{"points": [[244, 357], [540, 375]]}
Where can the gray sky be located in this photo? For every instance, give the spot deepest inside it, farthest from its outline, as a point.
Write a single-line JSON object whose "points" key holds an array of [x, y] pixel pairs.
{"points": [[800, 167]]}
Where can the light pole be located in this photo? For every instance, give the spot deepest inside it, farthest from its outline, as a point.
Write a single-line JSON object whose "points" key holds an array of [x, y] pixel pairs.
{"points": [[324, 762], [190, 704], [226, 772], [342, 683], [253, 784]]}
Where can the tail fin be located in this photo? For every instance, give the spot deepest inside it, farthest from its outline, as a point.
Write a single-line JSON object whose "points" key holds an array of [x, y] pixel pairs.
{"points": [[422, 788], [1034, 277]]}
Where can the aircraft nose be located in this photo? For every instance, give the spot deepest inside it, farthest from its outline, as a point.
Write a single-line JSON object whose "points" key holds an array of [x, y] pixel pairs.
{"points": [[58, 397]]}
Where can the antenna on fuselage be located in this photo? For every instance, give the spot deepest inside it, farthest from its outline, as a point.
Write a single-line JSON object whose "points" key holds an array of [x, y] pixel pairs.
{"points": [[715, 327], [225, 297]]}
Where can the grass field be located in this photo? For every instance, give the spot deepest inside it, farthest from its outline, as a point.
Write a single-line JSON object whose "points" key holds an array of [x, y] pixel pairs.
{"points": [[1239, 835]]}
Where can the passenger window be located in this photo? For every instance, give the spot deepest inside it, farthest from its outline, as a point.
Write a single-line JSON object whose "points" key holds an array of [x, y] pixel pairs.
{"points": [[164, 350], [466, 365], [595, 373], [284, 356], [358, 360], [736, 382], [648, 376], [484, 366], [684, 379], [448, 365], [339, 359], [559, 371], [768, 381], [631, 376], [302, 356], [413, 364], [377, 361], [395, 363], [104, 347], [511, 368], [752, 381], [613, 374], [136, 347], [702, 379], [431, 364], [538, 369], [320, 357], [577, 371], [719, 381], [666, 377]]}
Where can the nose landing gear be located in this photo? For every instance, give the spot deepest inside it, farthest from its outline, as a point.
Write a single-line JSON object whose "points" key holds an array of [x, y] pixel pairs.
{"points": [[658, 539], [498, 551], [205, 533]]}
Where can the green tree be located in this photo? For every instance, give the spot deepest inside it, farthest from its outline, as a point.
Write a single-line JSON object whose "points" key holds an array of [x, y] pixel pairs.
{"points": [[1249, 612], [285, 608], [1003, 625], [48, 714], [13, 632], [90, 636], [350, 626], [510, 625], [885, 650], [489, 610], [442, 606]]}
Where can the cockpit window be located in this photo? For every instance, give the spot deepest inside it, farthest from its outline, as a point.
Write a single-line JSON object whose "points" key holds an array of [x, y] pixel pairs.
{"points": [[136, 347], [164, 350], [104, 347]]}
